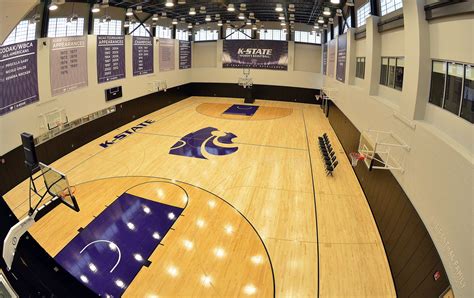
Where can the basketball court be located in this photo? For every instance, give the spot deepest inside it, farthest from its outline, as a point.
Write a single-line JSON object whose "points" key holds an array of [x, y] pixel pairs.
{"points": [[184, 148]]}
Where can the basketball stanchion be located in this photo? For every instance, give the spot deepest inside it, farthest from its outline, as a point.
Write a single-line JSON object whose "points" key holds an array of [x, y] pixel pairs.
{"points": [[56, 188]]}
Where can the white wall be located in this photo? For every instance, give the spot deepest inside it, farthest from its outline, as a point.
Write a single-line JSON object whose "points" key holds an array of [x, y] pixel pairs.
{"points": [[292, 77], [439, 169], [86, 100]]}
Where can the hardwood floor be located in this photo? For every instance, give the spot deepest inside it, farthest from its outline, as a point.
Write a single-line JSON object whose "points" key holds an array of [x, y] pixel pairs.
{"points": [[293, 230]]}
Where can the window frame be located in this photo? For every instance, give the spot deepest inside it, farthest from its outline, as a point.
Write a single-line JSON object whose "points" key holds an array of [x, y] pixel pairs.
{"points": [[362, 61], [15, 32], [108, 27], [80, 19], [366, 11], [195, 33], [282, 34], [316, 34], [383, 6], [387, 77], [246, 33]]}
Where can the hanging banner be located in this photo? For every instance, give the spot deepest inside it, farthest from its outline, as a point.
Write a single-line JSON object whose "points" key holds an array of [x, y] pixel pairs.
{"points": [[68, 64], [331, 58], [110, 58], [142, 55], [341, 58], [18, 76], [166, 54], [325, 58], [259, 54], [184, 54]]}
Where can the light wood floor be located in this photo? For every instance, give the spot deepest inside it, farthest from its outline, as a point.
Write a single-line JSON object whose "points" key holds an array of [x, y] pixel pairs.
{"points": [[295, 232]]}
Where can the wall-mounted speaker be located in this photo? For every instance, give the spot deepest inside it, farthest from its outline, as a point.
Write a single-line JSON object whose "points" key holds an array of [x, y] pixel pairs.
{"points": [[31, 160], [113, 93]]}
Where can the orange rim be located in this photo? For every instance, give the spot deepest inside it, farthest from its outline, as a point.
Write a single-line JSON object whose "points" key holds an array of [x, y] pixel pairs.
{"points": [[65, 193]]}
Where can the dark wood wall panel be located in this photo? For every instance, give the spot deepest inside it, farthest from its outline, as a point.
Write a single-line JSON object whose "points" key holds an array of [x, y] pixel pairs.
{"points": [[412, 256]]}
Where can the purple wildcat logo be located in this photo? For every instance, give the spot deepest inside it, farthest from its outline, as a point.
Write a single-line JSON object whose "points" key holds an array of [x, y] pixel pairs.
{"points": [[205, 142], [126, 133]]}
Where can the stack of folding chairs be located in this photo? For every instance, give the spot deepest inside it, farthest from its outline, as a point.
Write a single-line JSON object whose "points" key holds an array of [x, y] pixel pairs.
{"points": [[328, 154]]}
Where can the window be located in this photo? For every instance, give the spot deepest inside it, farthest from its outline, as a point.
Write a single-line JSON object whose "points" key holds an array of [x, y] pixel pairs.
{"points": [[140, 30], [24, 31], [363, 13], [360, 67], [454, 80], [467, 106], [111, 27], [182, 35], [307, 37], [438, 77], [452, 88], [231, 33], [272, 34], [387, 6], [391, 72], [60, 27], [163, 32], [205, 35]]}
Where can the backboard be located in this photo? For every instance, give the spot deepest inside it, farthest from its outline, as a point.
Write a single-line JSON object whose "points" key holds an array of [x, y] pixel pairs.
{"points": [[367, 148], [57, 185]]}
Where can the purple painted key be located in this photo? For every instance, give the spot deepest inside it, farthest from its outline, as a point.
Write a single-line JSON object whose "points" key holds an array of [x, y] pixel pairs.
{"points": [[110, 251]]}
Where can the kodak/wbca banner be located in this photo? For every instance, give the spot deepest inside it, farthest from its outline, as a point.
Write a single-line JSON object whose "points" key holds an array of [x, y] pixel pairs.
{"points": [[259, 54]]}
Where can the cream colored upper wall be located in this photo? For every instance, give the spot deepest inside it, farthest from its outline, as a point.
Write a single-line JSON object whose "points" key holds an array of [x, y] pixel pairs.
{"points": [[439, 168], [205, 54], [86, 100], [10, 12], [393, 43], [307, 58], [452, 38], [360, 47]]}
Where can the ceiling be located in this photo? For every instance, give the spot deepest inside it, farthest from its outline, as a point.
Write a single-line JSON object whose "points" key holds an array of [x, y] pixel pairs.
{"points": [[264, 10]]}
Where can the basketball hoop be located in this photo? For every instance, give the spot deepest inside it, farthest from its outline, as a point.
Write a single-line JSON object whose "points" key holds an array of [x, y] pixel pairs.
{"points": [[355, 157], [67, 192]]}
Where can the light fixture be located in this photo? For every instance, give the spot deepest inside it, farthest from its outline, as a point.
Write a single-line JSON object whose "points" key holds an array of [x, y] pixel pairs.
{"points": [[181, 2], [74, 18], [126, 24], [350, 2], [202, 9], [230, 7], [163, 14], [243, 7], [219, 23], [174, 22], [279, 7], [281, 17], [316, 26], [155, 17], [104, 4], [129, 12], [325, 26], [327, 11], [339, 12], [139, 9], [321, 20], [208, 18], [251, 15], [291, 7], [330, 21], [248, 22], [335, 1], [241, 16], [53, 6], [95, 8], [254, 27], [283, 23], [192, 11], [218, 16], [169, 3], [190, 26], [35, 19]]}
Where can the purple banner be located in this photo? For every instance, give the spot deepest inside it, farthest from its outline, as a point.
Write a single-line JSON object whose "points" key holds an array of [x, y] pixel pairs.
{"points": [[68, 64], [18, 76], [325, 58], [331, 57], [184, 54], [259, 54], [142, 55], [110, 57], [166, 54], [341, 58]]}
